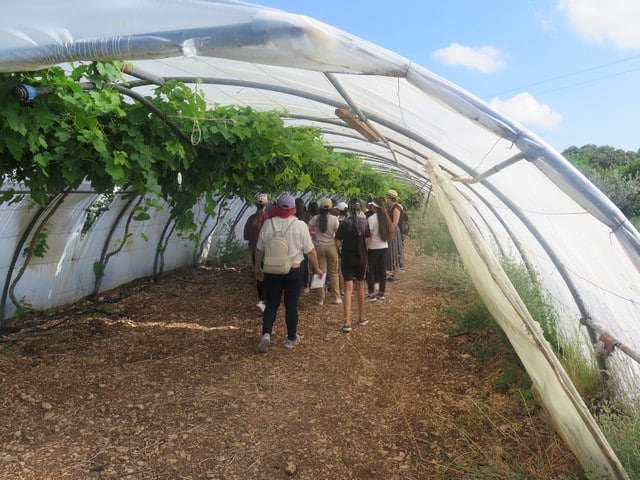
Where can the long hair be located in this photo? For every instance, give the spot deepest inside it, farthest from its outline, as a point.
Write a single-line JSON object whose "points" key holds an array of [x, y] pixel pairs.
{"points": [[301, 212], [323, 220], [384, 222], [354, 209], [313, 208]]}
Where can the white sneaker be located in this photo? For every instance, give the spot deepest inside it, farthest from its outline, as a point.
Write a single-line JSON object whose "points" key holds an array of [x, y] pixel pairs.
{"points": [[265, 340], [292, 343], [261, 305]]}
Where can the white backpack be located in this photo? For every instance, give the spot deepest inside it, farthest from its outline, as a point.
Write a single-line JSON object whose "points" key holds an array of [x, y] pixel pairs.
{"points": [[276, 252]]}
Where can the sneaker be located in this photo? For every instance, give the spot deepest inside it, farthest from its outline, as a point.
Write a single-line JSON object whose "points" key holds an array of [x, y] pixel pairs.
{"points": [[292, 343], [381, 296], [320, 302], [363, 321], [370, 298], [261, 305], [337, 301], [393, 279], [346, 328], [265, 340]]}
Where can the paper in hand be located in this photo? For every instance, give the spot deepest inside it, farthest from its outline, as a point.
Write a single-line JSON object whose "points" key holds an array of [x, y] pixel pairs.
{"points": [[318, 281]]}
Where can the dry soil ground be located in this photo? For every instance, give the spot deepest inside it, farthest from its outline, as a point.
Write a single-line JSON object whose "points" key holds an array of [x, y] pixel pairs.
{"points": [[163, 381]]}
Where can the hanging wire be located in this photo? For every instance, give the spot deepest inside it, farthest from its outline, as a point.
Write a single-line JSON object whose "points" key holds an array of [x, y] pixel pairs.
{"points": [[196, 131]]}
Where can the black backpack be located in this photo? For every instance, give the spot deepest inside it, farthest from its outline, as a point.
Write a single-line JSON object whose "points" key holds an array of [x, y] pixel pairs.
{"points": [[404, 223]]}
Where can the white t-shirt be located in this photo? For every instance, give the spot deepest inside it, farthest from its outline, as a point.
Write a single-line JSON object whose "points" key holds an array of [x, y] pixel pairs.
{"points": [[374, 226], [298, 236]]}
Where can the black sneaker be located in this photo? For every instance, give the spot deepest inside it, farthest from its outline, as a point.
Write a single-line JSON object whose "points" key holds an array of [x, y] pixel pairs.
{"points": [[381, 296], [370, 298]]}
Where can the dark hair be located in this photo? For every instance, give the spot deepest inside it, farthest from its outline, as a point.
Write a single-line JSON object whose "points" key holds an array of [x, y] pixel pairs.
{"points": [[313, 208], [323, 220], [354, 208], [301, 212], [384, 222]]}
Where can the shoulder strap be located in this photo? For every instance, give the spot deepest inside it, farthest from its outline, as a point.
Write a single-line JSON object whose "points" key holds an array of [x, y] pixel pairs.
{"points": [[295, 219], [273, 225]]}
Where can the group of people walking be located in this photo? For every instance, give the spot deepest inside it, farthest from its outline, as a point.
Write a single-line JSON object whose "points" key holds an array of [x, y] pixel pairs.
{"points": [[354, 245]]}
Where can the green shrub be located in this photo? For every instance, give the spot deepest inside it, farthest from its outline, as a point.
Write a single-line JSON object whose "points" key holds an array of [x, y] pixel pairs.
{"points": [[583, 372], [622, 429], [230, 251], [535, 298]]}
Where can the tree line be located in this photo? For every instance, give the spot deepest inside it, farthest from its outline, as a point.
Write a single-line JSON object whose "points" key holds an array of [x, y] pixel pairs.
{"points": [[614, 171]]}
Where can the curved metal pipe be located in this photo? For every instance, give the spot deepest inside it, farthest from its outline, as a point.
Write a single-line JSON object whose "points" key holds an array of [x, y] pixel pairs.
{"points": [[14, 260]]}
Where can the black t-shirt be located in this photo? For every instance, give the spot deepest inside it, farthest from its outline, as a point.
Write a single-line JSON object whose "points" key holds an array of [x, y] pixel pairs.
{"points": [[353, 233]]}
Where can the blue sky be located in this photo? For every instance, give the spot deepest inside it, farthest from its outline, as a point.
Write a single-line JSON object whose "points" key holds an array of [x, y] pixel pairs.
{"points": [[567, 69]]}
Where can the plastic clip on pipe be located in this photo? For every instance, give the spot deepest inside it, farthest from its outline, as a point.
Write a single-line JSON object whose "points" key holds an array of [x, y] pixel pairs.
{"points": [[24, 93]]}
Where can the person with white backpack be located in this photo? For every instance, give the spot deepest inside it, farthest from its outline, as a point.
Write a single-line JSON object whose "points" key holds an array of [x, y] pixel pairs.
{"points": [[282, 244]]}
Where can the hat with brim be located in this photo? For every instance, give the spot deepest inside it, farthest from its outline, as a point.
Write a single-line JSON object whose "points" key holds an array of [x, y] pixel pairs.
{"points": [[286, 201], [392, 194], [326, 203]]}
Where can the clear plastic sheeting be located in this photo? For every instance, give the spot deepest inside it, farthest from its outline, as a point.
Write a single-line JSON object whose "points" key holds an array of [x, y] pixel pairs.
{"points": [[570, 415], [527, 202]]}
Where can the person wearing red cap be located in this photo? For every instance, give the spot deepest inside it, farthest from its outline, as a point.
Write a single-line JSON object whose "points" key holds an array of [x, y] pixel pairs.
{"points": [[250, 234], [282, 218]]}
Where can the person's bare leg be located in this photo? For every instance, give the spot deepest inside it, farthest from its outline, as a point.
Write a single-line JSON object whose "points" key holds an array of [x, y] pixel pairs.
{"points": [[359, 288], [346, 304]]}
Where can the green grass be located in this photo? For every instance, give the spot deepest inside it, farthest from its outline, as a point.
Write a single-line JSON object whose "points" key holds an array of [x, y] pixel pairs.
{"points": [[510, 455], [622, 429], [445, 271]]}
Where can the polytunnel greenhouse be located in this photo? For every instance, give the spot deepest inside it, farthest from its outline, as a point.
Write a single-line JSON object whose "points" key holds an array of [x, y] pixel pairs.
{"points": [[503, 190]]}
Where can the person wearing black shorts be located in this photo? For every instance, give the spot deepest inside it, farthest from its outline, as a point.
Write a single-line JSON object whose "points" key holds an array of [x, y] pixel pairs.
{"points": [[352, 239]]}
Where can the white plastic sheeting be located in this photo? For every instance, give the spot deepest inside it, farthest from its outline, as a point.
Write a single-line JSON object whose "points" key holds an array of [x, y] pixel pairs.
{"points": [[527, 199], [568, 412], [128, 252]]}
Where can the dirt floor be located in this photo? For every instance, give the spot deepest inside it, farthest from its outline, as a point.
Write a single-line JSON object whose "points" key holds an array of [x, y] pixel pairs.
{"points": [[163, 381]]}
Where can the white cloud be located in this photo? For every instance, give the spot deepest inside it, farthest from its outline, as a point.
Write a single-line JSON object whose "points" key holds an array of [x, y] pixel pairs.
{"points": [[485, 59], [527, 110], [605, 21], [545, 21]]}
